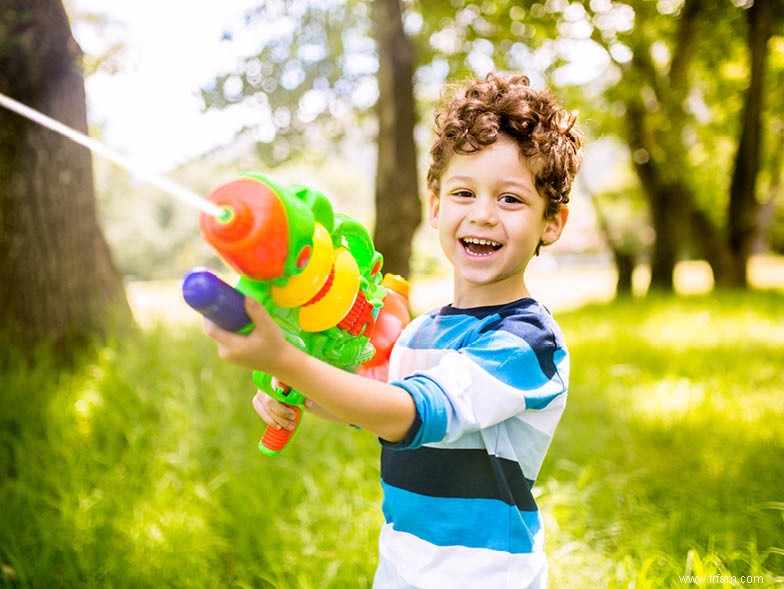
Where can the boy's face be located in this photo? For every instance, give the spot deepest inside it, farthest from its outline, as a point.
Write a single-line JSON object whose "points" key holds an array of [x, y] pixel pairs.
{"points": [[490, 219]]}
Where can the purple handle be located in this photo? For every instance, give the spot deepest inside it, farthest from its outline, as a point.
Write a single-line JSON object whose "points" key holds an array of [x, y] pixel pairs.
{"points": [[218, 301]]}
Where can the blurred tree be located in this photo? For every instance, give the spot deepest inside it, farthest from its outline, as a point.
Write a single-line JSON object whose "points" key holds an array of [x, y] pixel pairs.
{"points": [[672, 79], [319, 76], [623, 229], [58, 281], [687, 93], [398, 208], [770, 223], [770, 215], [744, 204]]}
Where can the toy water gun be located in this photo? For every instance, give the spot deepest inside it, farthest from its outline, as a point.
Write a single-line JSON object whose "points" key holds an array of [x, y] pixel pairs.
{"points": [[316, 272]]}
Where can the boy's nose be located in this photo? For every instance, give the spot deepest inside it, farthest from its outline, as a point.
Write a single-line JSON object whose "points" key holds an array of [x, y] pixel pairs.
{"points": [[483, 212]]}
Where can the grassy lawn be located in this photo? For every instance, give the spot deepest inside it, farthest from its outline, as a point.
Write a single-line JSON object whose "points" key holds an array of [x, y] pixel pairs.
{"points": [[669, 460], [138, 468]]}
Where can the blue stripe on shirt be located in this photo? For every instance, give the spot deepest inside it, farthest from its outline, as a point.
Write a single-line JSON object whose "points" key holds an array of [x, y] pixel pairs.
{"points": [[481, 523], [518, 366], [443, 332], [536, 349]]}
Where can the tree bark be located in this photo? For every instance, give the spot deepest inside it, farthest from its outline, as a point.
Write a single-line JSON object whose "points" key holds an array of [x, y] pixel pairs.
{"points": [[623, 258], [743, 199], [663, 199], [398, 206], [624, 264], [711, 242], [58, 283]]}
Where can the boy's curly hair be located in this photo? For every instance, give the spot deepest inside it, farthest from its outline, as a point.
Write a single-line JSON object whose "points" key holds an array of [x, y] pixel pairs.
{"points": [[477, 115]]}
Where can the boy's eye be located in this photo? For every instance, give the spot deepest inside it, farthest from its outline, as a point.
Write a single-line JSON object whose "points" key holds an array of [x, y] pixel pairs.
{"points": [[463, 193], [510, 199]]}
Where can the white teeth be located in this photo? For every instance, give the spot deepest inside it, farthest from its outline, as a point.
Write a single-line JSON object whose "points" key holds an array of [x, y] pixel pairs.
{"points": [[468, 242], [481, 241]]}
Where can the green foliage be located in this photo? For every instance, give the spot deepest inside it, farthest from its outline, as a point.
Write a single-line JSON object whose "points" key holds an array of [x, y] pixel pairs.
{"points": [[313, 78], [314, 75], [685, 64], [683, 69], [138, 467]]}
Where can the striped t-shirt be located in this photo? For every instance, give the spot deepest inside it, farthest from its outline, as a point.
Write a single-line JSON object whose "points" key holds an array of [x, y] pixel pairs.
{"points": [[489, 385]]}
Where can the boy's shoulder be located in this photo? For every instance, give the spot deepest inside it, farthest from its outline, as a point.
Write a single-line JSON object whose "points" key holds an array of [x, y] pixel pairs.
{"points": [[526, 319]]}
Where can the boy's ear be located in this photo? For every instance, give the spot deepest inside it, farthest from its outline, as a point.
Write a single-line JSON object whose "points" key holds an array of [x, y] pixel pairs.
{"points": [[554, 225], [434, 206]]}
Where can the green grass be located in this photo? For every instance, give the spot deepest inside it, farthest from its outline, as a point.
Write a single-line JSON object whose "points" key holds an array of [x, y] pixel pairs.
{"points": [[138, 467], [670, 457]]}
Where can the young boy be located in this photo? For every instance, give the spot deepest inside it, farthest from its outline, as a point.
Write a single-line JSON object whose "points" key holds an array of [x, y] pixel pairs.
{"points": [[476, 388]]}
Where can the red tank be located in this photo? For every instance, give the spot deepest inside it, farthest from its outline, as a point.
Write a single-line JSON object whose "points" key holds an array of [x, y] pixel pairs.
{"points": [[392, 318]]}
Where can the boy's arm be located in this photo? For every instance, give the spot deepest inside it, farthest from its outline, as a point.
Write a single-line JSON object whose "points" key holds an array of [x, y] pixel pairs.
{"points": [[386, 410]]}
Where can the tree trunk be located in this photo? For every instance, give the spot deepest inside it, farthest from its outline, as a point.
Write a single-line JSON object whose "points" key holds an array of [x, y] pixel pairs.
{"points": [[398, 207], [623, 258], [665, 250], [58, 281], [624, 264], [743, 202], [711, 242], [658, 152], [662, 198]]}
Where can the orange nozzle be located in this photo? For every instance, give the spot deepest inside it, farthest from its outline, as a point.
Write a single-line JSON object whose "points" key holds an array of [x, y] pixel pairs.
{"points": [[254, 237]]}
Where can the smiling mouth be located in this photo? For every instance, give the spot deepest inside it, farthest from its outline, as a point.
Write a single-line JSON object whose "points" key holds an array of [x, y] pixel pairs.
{"points": [[480, 247]]}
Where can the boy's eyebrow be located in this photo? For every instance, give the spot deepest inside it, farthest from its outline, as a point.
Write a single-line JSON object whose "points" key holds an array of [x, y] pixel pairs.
{"points": [[457, 179]]}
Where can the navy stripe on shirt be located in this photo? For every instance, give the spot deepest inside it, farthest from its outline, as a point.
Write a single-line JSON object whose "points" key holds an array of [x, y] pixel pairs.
{"points": [[457, 473], [531, 329]]}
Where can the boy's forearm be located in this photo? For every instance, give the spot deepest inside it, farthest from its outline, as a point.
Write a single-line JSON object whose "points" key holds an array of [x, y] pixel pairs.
{"points": [[319, 411], [386, 410]]}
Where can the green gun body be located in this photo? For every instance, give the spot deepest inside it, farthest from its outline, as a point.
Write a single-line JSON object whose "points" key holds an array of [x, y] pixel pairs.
{"points": [[316, 272]]}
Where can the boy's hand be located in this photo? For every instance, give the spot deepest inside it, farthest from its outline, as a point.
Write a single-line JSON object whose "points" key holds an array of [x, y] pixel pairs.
{"points": [[262, 349], [274, 413]]}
